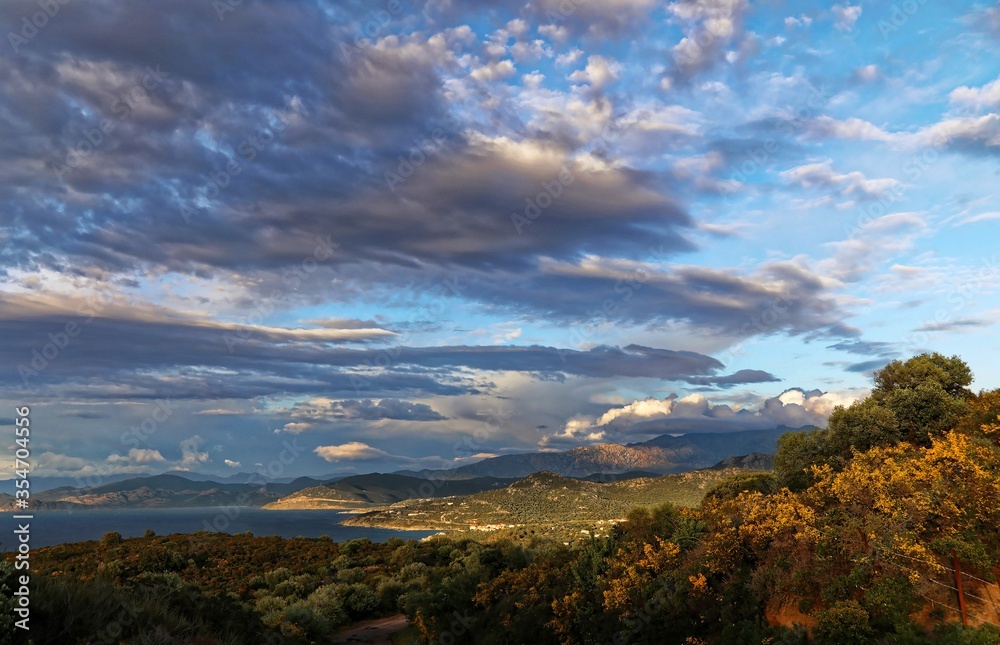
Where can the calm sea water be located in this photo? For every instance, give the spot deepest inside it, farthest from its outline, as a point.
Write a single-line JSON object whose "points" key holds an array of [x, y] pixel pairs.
{"points": [[49, 528]]}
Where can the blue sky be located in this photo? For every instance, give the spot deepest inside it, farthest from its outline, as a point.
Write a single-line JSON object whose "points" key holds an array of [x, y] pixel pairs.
{"points": [[415, 234]]}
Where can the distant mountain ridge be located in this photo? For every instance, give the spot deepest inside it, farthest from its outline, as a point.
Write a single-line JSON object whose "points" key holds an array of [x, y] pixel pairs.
{"points": [[359, 491], [663, 455], [608, 462], [164, 491]]}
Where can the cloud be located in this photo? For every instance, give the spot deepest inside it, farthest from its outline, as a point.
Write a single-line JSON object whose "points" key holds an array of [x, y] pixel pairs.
{"points": [[959, 324], [598, 73], [867, 367], [741, 377], [867, 348], [868, 73], [357, 451], [872, 244], [986, 96], [136, 456], [971, 134], [845, 16], [979, 217], [231, 463], [308, 415], [180, 358], [851, 185], [778, 297], [793, 408], [191, 456], [710, 26]]}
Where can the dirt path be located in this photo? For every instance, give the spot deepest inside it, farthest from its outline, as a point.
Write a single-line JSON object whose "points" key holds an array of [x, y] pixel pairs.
{"points": [[373, 632]]}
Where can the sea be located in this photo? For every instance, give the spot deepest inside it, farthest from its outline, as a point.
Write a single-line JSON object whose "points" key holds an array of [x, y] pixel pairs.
{"points": [[49, 528]]}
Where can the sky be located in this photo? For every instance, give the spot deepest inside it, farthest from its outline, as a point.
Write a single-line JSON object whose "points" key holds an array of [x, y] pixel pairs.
{"points": [[332, 237]]}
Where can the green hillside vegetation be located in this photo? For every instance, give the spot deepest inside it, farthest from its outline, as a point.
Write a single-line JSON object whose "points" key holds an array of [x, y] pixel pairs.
{"points": [[163, 491], [377, 489], [547, 504]]}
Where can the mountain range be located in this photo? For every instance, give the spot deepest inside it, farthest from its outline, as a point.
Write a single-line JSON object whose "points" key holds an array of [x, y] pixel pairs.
{"points": [[604, 463], [663, 455]]}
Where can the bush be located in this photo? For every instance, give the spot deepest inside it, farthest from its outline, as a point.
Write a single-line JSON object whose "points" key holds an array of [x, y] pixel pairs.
{"points": [[327, 601], [359, 600], [731, 487], [844, 622]]}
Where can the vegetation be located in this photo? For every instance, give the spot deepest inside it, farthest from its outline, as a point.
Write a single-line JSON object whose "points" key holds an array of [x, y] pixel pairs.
{"points": [[850, 541], [546, 504]]}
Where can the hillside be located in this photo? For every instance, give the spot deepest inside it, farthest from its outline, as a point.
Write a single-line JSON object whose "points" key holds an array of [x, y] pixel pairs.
{"points": [[546, 500], [377, 489], [663, 455], [752, 461], [163, 491]]}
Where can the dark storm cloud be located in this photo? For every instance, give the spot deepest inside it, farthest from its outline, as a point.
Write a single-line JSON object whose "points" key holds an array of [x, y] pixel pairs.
{"points": [[739, 378], [146, 356], [364, 410], [781, 297], [241, 145], [272, 140]]}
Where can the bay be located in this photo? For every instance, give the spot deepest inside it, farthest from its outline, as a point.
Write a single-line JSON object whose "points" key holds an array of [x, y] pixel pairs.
{"points": [[49, 528]]}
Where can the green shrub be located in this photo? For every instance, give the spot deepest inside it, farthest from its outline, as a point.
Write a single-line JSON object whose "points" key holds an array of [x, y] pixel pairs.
{"points": [[844, 622]]}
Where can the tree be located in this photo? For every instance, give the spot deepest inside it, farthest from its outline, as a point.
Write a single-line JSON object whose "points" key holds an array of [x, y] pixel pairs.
{"points": [[796, 452], [952, 374], [861, 426], [914, 401]]}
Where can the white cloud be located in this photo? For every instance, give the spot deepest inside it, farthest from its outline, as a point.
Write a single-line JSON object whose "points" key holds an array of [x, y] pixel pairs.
{"points": [[871, 245], [868, 73], [352, 451], [712, 25], [599, 72], [979, 217], [494, 71], [793, 408], [231, 463], [845, 16], [569, 57], [851, 184], [801, 21], [191, 456], [977, 97]]}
